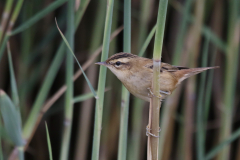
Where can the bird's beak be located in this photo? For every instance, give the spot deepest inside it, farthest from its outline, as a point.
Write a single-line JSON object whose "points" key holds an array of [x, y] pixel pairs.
{"points": [[101, 63]]}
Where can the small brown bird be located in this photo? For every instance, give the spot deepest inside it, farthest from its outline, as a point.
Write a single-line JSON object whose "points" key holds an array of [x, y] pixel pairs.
{"points": [[136, 74]]}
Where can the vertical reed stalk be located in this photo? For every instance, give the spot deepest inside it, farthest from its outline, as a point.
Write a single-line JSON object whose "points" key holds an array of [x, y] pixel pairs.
{"points": [[101, 83], [195, 37], [230, 75], [200, 107], [69, 93], [171, 104], [85, 118], [122, 143], [181, 33], [107, 149], [155, 104], [138, 104]]}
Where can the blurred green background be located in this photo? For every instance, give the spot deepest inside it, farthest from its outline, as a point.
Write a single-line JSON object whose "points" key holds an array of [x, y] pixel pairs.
{"points": [[199, 121]]}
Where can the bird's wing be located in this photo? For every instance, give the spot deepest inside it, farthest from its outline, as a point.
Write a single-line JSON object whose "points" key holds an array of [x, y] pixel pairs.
{"points": [[169, 68], [164, 67]]}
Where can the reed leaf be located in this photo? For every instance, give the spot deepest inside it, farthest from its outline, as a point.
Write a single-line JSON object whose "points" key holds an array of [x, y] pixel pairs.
{"points": [[222, 145], [3, 46], [38, 16], [84, 97], [11, 119], [147, 41], [49, 143], [67, 44], [14, 89]]}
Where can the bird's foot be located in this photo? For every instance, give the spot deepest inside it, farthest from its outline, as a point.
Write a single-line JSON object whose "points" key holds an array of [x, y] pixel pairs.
{"points": [[151, 94], [165, 92], [148, 133]]}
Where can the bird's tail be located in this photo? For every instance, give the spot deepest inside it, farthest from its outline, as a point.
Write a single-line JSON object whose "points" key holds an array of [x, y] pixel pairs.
{"points": [[186, 73]]}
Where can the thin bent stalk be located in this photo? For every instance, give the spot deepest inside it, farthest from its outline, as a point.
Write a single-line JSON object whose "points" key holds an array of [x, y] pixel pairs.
{"points": [[101, 83], [69, 93], [155, 104], [122, 143]]}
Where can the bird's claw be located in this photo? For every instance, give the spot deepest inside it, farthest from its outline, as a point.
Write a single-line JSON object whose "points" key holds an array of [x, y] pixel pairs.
{"points": [[151, 94], [148, 133], [165, 92]]}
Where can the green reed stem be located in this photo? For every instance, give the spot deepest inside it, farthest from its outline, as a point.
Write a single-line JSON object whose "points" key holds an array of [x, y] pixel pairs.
{"points": [[38, 16], [122, 143], [49, 143], [200, 107], [69, 92], [181, 33], [51, 74], [223, 145], [230, 74], [138, 104], [157, 54], [147, 41], [209, 87], [101, 83]]}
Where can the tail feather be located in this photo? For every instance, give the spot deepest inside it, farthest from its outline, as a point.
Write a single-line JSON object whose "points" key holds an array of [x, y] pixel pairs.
{"points": [[186, 73]]}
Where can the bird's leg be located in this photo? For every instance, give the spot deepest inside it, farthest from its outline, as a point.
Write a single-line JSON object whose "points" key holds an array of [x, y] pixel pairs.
{"points": [[149, 133], [165, 92], [151, 94]]}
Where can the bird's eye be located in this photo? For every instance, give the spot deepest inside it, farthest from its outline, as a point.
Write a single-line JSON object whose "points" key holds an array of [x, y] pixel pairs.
{"points": [[118, 63]]}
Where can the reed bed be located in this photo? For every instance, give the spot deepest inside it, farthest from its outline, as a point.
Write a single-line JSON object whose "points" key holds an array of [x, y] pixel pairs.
{"points": [[47, 108]]}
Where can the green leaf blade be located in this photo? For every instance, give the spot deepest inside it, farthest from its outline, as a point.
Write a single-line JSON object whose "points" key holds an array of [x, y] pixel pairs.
{"points": [[11, 119], [49, 142], [67, 44]]}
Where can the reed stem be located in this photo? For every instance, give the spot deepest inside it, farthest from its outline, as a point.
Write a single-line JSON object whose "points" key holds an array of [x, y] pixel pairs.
{"points": [[69, 92], [155, 101], [122, 144], [101, 83]]}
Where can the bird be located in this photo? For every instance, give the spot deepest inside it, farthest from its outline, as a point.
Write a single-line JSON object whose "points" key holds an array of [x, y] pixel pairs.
{"points": [[136, 74]]}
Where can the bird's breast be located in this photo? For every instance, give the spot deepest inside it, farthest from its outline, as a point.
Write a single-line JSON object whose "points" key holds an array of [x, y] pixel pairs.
{"points": [[138, 85]]}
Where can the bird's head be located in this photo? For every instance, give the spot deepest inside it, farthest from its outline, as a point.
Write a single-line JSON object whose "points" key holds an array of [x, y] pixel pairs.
{"points": [[120, 63]]}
